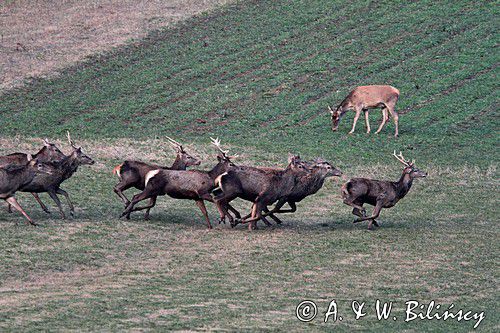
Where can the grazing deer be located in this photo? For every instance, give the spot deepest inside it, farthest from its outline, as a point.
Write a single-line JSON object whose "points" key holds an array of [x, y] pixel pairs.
{"points": [[183, 184], [381, 194], [262, 186], [13, 177], [307, 185], [48, 153], [62, 170], [364, 98], [133, 173]]}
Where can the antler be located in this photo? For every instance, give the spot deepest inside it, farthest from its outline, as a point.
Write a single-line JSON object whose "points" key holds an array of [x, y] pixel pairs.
{"points": [[329, 108], [69, 140], [176, 144], [216, 142], [401, 159]]}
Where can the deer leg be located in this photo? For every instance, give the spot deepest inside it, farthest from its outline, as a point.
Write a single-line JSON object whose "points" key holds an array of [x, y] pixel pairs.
{"points": [[152, 203], [367, 121], [356, 117], [118, 189], [355, 205], [203, 209], [136, 198], [9, 208], [375, 214], [385, 117], [395, 118], [13, 202], [70, 204], [37, 198], [54, 197], [265, 220]]}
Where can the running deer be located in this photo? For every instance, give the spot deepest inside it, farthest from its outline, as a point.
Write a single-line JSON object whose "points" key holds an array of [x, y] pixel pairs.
{"points": [[13, 177], [62, 170], [133, 173], [381, 194], [364, 98], [183, 184], [307, 185], [262, 186], [49, 153]]}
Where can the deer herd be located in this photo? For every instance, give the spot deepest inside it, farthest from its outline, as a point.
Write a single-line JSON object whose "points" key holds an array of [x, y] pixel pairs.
{"points": [[45, 171]]}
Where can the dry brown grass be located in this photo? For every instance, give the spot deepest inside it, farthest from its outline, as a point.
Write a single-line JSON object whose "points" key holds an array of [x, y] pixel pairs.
{"points": [[38, 38]]}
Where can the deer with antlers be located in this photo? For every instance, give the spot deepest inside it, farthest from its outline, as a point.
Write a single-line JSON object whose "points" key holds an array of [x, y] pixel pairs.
{"points": [[49, 153], [62, 170], [183, 184], [13, 177], [133, 173], [381, 194], [364, 98], [262, 186]]}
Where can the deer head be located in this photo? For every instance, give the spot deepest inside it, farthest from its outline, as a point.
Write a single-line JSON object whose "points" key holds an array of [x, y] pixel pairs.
{"points": [[186, 158], [336, 115], [322, 166], [78, 153], [410, 168]]}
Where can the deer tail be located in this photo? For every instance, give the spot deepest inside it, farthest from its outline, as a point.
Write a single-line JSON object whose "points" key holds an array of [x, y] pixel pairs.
{"points": [[117, 170]]}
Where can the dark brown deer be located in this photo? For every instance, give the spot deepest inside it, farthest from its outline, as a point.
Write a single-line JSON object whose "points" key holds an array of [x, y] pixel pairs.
{"points": [[307, 185], [381, 194], [133, 173], [49, 153], [62, 170], [183, 184], [13, 177], [262, 186], [364, 98]]}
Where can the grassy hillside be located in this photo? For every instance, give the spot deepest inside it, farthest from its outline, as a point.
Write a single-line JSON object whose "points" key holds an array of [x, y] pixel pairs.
{"points": [[260, 74]]}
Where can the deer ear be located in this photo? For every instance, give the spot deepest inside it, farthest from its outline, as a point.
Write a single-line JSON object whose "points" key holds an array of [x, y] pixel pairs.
{"points": [[46, 142], [30, 157]]}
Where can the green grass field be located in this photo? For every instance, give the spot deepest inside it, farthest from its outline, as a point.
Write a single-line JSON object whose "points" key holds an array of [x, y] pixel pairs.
{"points": [[259, 75]]}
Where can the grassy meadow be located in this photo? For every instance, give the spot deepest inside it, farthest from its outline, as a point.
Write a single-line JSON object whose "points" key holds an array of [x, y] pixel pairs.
{"points": [[260, 75]]}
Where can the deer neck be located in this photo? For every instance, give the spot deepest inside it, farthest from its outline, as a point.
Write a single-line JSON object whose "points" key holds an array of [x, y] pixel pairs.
{"points": [[404, 185], [178, 164], [217, 170], [314, 182], [69, 166]]}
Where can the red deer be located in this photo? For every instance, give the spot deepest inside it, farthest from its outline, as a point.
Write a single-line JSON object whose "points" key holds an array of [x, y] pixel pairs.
{"points": [[63, 170], [13, 177], [262, 186], [183, 184], [364, 98], [381, 194], [307, 185], [49, 153], [133, 173]]}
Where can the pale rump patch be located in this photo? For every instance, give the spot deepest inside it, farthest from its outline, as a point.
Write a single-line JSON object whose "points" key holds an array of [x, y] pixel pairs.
{"points": [[150, 175], [218, 179], [117, 169], [344, 192]]}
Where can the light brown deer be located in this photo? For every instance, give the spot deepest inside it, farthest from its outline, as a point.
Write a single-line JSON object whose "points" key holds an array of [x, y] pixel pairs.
{"points": [[364, 98]]}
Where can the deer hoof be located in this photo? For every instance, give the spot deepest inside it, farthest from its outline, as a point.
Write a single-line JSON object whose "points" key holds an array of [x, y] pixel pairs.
{"points": [[34, 224]]}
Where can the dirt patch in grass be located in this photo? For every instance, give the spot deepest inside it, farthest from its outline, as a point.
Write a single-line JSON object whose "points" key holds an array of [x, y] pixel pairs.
{"points": [[38, 39]]}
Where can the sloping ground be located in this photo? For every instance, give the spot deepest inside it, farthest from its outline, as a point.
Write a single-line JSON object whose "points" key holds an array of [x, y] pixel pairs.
{"points": [[41, 37], [269, 69], [260, 74]]}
